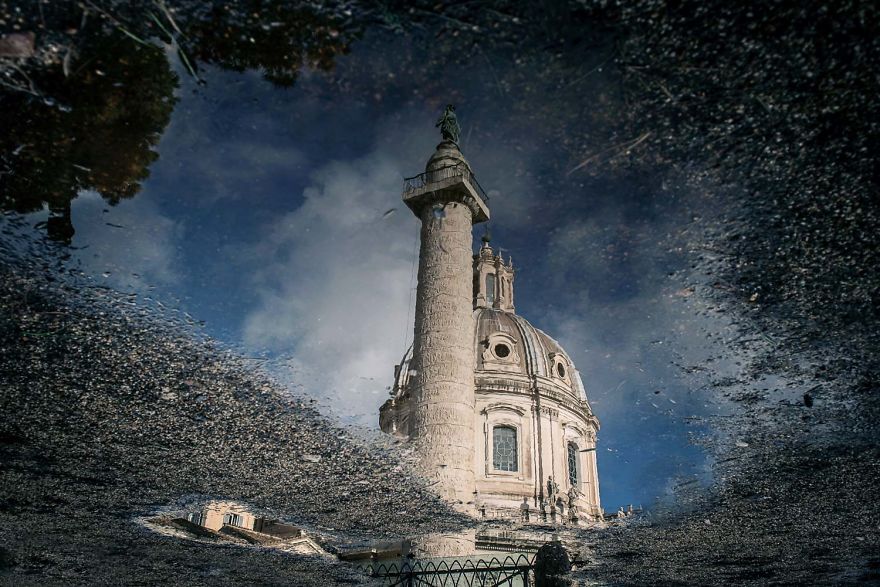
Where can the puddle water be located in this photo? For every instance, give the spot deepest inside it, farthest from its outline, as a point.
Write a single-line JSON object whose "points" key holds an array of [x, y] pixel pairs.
{"points": [[208, 276]]}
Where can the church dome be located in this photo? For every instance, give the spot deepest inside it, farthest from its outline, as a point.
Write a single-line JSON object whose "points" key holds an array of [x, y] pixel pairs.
{"points": [[508, 344], [513, 354]]}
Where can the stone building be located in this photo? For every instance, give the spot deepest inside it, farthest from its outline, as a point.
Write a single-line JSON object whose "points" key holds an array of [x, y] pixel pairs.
{"points": [[233, 523], [495, 407]]}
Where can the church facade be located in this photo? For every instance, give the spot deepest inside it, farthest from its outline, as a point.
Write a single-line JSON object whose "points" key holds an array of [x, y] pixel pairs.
{"points": [[496, 409]]}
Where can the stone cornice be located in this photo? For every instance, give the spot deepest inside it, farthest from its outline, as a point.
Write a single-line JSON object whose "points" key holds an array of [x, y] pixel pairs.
{"points": [[576, 408]]}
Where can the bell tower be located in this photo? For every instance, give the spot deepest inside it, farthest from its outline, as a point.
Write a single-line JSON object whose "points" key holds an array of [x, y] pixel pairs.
{"points": [[448, 201]]}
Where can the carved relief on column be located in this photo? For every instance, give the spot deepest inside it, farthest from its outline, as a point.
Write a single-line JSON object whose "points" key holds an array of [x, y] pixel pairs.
{"points": [[443, 359]]}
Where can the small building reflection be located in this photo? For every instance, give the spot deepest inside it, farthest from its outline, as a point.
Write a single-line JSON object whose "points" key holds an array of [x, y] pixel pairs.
{"points": [[232, 521]]}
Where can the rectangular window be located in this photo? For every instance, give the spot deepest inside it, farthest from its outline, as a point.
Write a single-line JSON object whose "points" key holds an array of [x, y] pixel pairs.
{"points": [[572, 464], [504, 457]]}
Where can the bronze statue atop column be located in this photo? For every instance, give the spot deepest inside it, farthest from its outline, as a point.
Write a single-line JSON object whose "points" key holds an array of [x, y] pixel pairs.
{"points": [[448, 125]]}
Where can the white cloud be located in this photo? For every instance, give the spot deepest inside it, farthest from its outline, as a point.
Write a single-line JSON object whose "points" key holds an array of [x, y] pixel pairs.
{"points": [[333, 284]]}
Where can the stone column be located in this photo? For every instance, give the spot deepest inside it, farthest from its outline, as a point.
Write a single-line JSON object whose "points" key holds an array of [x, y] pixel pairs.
{"points": [[593, 471], [442, 545], [443, 353]]}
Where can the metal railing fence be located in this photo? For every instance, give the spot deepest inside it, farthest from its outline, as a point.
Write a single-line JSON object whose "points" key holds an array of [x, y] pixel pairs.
{"points": [[411, 184], [513, 571]]}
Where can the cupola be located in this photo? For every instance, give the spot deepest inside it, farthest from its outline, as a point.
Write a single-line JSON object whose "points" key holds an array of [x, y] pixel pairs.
{"points": [[493, 279]]}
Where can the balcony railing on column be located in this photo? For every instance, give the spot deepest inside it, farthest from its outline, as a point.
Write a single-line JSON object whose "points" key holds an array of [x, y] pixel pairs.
{"points": [[411, 184]]}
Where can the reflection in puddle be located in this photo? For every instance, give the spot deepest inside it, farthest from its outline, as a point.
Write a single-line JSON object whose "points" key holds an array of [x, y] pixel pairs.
{"points": [[231, 522], [511, 554], [638, 151]]}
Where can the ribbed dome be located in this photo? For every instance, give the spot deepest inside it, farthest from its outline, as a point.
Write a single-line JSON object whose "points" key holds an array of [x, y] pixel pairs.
{"points": [[529, 351], [533, 352]]}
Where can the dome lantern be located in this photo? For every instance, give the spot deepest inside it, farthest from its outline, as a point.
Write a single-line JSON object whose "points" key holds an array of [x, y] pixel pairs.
{"points": [[493, 280]]}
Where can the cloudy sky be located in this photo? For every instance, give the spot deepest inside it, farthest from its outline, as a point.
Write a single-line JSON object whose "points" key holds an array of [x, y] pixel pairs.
{"points": [[274, 216]]}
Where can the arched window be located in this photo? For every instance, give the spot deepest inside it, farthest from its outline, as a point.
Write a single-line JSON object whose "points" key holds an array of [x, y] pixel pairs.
{"points": [[504, 448], [490, 288], [573, 464]]}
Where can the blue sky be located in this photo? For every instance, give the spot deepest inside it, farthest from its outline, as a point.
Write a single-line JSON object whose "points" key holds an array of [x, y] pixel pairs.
{"points": [[265, 216]]}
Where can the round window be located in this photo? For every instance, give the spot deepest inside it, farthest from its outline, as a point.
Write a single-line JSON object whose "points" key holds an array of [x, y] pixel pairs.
{"points": [[502, 350], [560, 368]]}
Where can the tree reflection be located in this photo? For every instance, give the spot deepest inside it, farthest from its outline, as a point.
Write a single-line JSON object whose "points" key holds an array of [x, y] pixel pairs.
{"points": [[96, 97], [94, 130], [275, 37]]}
